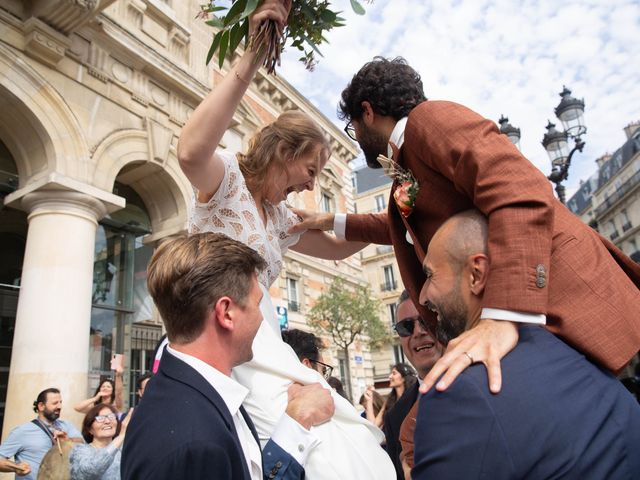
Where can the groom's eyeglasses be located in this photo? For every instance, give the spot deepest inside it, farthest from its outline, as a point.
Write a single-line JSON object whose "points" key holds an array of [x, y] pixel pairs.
{"points": [[326, 369], [350, 131], [404, 328]]}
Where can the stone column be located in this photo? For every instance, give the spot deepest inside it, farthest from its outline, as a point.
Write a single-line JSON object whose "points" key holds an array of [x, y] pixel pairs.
{"points": [[50, 345]]}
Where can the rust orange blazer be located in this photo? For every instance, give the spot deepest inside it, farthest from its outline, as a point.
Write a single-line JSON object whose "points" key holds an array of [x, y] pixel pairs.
{"points": [[590, 290]]}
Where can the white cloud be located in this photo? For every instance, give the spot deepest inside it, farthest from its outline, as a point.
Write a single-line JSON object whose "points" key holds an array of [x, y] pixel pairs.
{"points": [[499, 57]]}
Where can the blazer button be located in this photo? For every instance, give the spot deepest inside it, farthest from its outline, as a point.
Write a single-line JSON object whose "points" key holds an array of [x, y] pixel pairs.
{"points": [[541, 276], [278, 464]]}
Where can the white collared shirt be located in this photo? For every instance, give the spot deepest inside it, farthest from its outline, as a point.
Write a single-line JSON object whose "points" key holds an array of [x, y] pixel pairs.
{"points": [[288, 434], [340, 226]]}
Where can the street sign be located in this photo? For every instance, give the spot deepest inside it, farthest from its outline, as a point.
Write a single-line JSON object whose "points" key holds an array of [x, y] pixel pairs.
{"points": [[283, 317], [358, 359]]}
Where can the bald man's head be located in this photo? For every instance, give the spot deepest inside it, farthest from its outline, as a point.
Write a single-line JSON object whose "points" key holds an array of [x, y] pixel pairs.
{"points": [[461, 236], [456, 266]]}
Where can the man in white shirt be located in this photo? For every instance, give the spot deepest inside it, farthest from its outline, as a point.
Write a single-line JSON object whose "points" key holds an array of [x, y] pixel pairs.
{"points": [[190, 422]]}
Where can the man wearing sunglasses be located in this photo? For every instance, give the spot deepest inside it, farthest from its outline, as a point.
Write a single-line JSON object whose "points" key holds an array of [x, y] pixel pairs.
{"points": [[423, 351]]}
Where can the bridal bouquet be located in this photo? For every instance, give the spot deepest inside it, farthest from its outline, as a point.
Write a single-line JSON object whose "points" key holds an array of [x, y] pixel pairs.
{"points": [[307, 22]]}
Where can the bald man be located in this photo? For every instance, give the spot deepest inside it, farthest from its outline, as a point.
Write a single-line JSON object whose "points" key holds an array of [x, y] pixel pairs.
{"points": [[558, 415]]}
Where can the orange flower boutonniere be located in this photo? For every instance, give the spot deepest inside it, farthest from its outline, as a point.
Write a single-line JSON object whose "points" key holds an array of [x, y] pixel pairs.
{"points": [[407, 190]]}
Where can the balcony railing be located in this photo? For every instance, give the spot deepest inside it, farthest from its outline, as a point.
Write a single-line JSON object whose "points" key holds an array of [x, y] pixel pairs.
{"points": [[294, 306], [382, 249], [626, 226], [625, 188], [388, 286]]}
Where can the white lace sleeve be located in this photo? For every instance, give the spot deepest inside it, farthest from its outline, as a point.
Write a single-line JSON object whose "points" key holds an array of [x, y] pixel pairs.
{"points": [[203, 213]]}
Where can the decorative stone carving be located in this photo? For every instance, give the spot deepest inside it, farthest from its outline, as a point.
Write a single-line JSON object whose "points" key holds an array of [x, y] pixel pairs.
{"points": [[43, 42], [159, 95], [121, 72], [67, 16], [160, 139], [98, 59]]}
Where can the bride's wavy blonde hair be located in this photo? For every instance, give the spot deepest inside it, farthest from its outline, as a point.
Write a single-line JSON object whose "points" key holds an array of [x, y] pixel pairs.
{"points": [[281, 143]]}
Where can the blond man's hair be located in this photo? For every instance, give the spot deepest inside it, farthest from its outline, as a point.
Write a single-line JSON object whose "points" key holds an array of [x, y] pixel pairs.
{"points": [[293, 135], [188, 275]]}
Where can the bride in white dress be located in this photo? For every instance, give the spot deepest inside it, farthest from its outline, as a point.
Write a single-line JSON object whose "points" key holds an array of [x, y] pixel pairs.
{"points": [[242, 196]]}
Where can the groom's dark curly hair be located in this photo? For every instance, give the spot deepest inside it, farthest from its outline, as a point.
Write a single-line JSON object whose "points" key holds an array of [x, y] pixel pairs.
{"points": [[392, 88]]}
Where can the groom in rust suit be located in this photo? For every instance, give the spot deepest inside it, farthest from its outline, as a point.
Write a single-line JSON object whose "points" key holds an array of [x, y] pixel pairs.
{"points": [[547, 267]]}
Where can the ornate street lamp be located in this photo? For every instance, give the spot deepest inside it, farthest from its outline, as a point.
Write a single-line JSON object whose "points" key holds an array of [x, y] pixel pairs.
{"points": [[510, 131], [570, 111]]}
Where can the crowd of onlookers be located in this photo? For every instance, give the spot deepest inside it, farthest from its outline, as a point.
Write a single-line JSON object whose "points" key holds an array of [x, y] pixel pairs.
{"points": [[53, 449]]}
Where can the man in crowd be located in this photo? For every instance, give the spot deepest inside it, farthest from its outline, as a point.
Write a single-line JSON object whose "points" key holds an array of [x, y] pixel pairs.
{"points": [[308, 349], [142, 383], [422, 351], [558, 415], [547, 266], [190, 422], [28, 443]]}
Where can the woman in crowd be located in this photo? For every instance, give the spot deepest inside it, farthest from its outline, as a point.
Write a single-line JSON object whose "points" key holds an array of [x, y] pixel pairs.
{"points": [[108, 393], [243, 196], [373, 405], [99, 458], [401, 378]]}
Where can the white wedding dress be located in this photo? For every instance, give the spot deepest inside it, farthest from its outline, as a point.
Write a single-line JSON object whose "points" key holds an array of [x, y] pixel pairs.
{"points": [[349, 446]]}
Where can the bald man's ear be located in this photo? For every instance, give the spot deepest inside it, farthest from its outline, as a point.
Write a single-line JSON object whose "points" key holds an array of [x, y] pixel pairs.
{"points": [[478, 272]]}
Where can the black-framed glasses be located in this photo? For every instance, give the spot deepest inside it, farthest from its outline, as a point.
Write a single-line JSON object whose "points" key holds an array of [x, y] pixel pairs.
{"points": [[102, 418], [326, 369], [350, 131], [404, 328]]}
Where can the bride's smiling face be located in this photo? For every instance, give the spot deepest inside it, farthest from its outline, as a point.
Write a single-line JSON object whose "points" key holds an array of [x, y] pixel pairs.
{"points": [[300, 175]]}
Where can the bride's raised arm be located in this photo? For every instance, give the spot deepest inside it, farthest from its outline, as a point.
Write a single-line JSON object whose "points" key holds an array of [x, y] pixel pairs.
{"points": [[206, 126]]}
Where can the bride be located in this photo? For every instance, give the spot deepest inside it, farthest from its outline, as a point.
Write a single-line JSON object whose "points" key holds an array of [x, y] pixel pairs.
{"points": [[242, 195]]}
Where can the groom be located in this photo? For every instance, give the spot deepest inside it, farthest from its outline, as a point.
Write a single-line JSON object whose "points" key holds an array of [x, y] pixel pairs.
{"points": [[547, 267]]}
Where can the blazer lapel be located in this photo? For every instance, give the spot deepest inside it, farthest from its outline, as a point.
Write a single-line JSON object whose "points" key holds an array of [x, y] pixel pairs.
{"points": [[252, 427]]}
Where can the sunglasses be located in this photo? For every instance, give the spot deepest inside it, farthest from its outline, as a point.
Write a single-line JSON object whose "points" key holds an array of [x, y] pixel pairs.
{"points": [[326, 369], [404, 328]]}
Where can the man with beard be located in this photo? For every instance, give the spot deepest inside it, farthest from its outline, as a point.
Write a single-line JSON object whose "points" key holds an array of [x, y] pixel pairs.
{"points": [[29, 442], [557, 416], [447, 159], [422, 351]]}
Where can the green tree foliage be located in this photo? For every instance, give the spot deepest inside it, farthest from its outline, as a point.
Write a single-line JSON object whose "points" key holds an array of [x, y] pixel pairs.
{"points": [[344, 313]]}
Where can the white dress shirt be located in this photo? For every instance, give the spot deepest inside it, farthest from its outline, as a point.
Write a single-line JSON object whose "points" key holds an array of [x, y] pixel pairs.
{"points": [[340, 226], [289, 434]]}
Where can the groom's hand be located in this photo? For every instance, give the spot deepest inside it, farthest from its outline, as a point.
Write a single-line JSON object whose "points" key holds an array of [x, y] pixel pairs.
{"points": [[312, 221], [488, 342]]}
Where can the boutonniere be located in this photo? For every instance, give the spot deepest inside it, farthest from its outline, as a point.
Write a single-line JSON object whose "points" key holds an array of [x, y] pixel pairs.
{"points": [[407, 191]]}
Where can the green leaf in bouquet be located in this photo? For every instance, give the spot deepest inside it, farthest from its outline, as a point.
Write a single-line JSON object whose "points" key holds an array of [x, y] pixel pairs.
{"points": [[235, 35], [214, 46], [215, 22], [234, 12], [328, 16], [224, 44], [359, 9], [249, 9]]}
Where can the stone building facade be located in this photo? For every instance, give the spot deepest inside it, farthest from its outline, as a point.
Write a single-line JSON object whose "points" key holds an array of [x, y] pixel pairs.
{"points": [[93, 96]]}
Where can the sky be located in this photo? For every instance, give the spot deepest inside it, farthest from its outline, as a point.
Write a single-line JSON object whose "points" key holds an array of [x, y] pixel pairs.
{"points": [[497, 57]]}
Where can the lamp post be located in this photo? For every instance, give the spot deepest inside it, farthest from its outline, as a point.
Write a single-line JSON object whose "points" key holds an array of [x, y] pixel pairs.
{"points": [[570, 111], [510, 131]]}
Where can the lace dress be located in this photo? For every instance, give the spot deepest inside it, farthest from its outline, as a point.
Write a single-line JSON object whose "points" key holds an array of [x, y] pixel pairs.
{"points": [[349, 445]]}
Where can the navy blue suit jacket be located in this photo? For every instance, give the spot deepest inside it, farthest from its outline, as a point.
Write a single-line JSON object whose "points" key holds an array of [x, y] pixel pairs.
{"points": [[557, 416], [182, 429]]}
